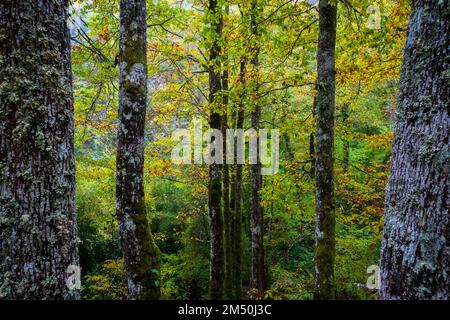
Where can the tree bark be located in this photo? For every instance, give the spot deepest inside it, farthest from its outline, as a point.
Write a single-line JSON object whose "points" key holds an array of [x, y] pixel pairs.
{"points": [[140, 252], [236, 196], [227, 212], [324, 168], [38, 236], [215, 169], [346, 140], [258, 272], [312, 153], [415, 259]]}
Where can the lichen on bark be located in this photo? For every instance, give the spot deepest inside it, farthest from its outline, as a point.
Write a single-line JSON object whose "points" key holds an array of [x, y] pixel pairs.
{"points": [[258, 265], [38, 236], [141, 254], [415, 259], [324, 164], [215, 213]]}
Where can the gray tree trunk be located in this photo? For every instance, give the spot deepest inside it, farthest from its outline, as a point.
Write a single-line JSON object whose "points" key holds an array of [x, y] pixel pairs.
{"points": [[215, 170], [38, 237], [140, 252], [324, 167], [415, 259], [258, 271]]}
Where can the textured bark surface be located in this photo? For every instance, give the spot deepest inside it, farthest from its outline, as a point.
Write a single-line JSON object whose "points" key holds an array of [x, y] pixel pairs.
{"points": [[215, 170], [227, 213], [415, 260], [324, 167], [312, 153], [140, 253], [258, 272], [38, 240]]}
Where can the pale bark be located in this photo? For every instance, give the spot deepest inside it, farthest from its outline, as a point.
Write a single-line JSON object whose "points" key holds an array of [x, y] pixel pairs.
{"points": [[140, 252]]}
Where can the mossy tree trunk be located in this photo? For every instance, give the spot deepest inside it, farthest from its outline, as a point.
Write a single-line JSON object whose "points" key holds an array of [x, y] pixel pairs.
{"points": [[236, 196], [415, 259], [38, 237], [258, 272], [140, 253], [324, 166], [215, 213]]}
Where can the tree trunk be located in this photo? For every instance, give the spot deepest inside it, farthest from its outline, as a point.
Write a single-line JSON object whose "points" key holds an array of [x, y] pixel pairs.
{"points": [[415, 259], [38, 237], [215, 169], [227, 213], [346, 139], [324, 168], [140, 253], [312, 153], [236, 196], [258, 272]]}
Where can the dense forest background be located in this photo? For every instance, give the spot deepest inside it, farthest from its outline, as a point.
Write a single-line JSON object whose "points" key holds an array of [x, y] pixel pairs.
{"points": [[368, 61], [325, 74]]}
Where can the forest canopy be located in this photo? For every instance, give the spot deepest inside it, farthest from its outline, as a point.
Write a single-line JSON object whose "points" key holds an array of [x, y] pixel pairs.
{"points": [[368, 61]]}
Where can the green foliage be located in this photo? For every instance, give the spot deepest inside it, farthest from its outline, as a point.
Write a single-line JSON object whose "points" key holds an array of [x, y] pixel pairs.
{"points": [[109, 284], [353, 256], [176, 196]]}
